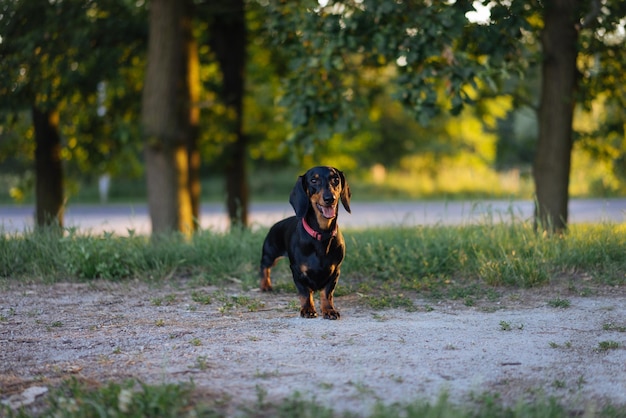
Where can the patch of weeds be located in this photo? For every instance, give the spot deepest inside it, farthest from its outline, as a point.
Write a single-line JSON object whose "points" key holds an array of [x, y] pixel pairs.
{"points": [[156, 301], [261, 395], [201, 363], [512, 269], [117, 350], [293, 305], [362, 388], [266, 374], [559, 303], [201, 298], [492, 295], [231, 302], [159, 323], [6, 317], [396, 379], [613, 327], [379, 317], [298, 406], [195, 342], [507, 326], [226, 308], [463, 292], [284, 287], [608, 345], [130, 398], [105, 256], [568, 344], [255, 304], [55, 324], [558, 384], [390, 302]]}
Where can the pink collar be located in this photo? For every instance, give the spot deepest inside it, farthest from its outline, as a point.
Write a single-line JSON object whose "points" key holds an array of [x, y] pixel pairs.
{"points": [[314, 233]]}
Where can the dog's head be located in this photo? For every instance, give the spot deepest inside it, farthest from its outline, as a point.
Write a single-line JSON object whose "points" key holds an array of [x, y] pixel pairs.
{"points": [[320, 189]]}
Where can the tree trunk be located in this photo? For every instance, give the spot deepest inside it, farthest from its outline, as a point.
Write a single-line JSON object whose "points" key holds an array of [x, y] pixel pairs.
{"points": [[192, 70], [554, 147], [228, 41], [48, 168], [165, 115]]}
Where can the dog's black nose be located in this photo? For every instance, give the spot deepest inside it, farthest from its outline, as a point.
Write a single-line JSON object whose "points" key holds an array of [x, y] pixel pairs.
{"points": [[329, 200]]}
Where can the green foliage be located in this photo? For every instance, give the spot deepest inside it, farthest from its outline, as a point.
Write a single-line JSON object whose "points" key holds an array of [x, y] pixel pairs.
{"points": [[84, 59], [57, 49], [439, 60], [425, 45]]}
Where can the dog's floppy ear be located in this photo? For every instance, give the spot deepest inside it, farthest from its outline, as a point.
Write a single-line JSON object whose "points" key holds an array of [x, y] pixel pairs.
{"points": [[299, 198], [345, 192]]}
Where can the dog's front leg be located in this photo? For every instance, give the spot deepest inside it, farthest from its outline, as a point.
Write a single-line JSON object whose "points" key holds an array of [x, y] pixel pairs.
{"points": [[266, 282], [307, 305], [326, 300], [305, 293]]}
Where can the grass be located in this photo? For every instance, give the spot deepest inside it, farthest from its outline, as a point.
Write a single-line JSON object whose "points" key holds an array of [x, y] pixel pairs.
{"points": [[131, 398], [559, 303], [464, 263]]}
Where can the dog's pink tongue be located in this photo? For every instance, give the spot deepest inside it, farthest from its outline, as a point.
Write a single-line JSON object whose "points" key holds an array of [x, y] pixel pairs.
{"points": [[328, 211]]}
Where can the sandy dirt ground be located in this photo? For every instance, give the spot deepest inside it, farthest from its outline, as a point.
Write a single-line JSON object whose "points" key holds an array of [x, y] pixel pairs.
{"points": [[244, 344]]}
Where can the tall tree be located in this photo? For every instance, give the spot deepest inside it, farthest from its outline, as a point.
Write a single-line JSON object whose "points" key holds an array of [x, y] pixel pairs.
{"points": [[228, 38], [165, 119], [48, 168], [554, 146]]}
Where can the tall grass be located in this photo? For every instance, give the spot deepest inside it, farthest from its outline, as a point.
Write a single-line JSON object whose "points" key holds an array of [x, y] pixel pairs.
{"points": [[419, 259]]}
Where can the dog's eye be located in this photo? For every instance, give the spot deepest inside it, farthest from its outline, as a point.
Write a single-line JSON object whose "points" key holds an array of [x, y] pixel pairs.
{"points": [[314, 180], [334, 180]]}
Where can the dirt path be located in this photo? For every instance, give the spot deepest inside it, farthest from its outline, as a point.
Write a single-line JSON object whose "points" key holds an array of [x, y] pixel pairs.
{"points": [[241, 345]]}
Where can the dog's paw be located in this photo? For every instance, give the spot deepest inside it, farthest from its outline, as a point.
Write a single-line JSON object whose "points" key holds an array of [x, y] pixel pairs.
{"points": [[331, 314], [308, 313]]}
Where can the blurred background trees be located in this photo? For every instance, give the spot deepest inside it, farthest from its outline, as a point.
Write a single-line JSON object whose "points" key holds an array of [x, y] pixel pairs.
{"points": [[417, 98]]}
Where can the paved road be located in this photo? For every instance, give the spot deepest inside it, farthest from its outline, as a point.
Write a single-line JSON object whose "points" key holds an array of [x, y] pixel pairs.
{"points": [[120, 218]]}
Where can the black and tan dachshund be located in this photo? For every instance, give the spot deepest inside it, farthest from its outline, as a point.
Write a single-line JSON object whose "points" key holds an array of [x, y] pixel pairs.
{"points": [[311, 239]]}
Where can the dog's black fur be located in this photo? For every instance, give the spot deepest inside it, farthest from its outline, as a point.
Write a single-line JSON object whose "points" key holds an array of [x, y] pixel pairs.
{"points": [[314, 256]]}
